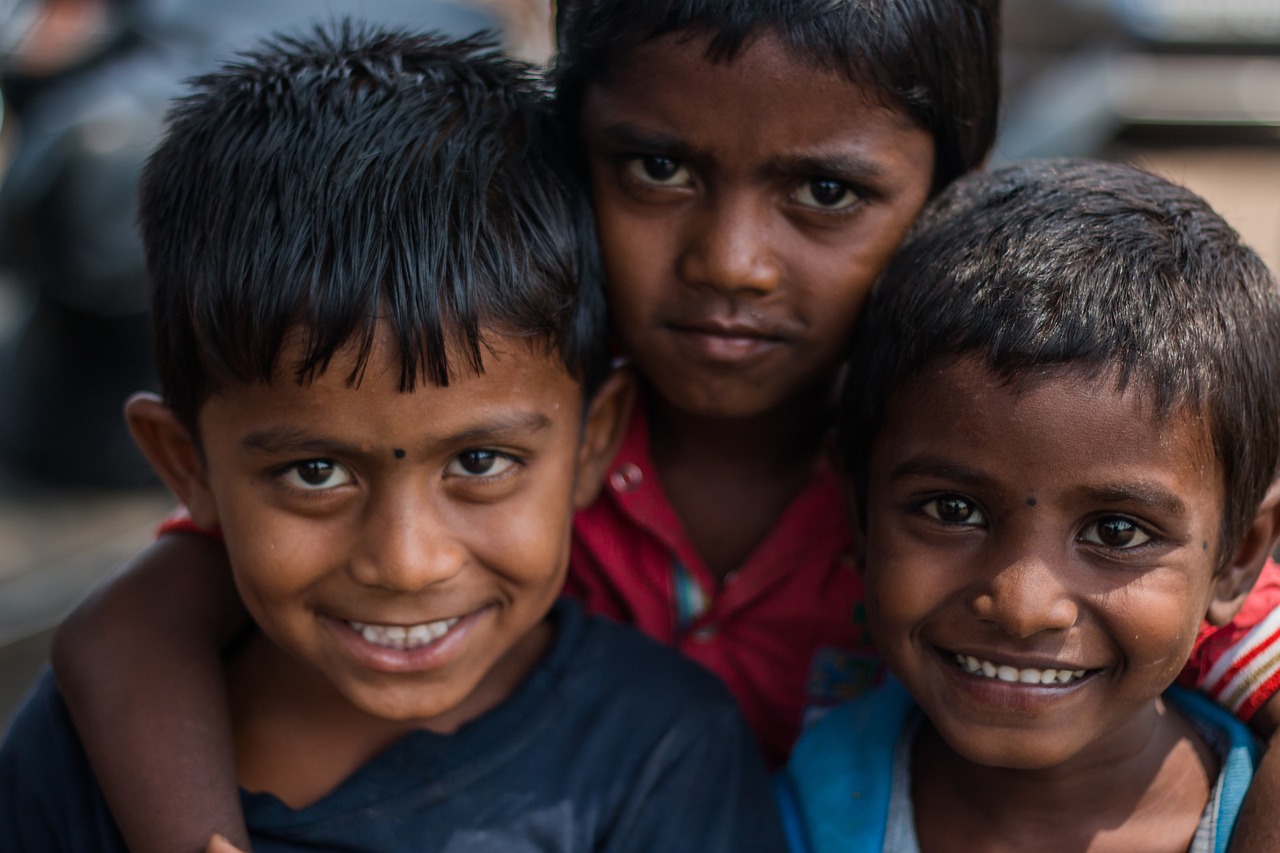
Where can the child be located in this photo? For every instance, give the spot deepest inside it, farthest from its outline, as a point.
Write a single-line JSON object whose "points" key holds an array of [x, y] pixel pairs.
{"points": [[1062, 426], [378, 336], [753, 167]]}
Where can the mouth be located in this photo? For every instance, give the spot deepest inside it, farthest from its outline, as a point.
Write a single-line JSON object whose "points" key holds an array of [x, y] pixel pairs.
{"points": [[727, 340], [403, 637], [1048, 676]]}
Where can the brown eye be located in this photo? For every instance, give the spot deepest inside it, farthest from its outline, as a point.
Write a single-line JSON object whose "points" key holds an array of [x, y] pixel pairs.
{"points": [[953, 509], [480, 463], [1116, 532], [826, 194], [316, 474], [658, 170]]}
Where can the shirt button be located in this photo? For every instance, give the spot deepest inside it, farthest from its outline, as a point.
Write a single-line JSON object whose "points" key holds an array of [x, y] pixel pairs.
{"points": [[626, 478], [705, 634]]}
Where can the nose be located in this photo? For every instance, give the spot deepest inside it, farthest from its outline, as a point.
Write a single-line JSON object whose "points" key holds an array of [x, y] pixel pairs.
{"points": [[728, 247], [406, 546], [1025, 596]]}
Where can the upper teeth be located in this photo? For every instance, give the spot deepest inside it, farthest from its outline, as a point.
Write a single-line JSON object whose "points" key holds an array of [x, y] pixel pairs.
{"points": [[404, 636], [986, 668]]}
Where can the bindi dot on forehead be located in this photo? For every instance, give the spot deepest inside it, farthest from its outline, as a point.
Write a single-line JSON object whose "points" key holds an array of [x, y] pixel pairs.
{"points": [[399, 453], [1031, 501]]}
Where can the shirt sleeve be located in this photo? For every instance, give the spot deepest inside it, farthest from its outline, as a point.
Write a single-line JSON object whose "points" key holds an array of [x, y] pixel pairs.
{"points": [[180, 521], [49, 800], [1238, 664]]}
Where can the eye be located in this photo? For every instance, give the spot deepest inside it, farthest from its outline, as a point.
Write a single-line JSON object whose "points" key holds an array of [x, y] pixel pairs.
{"points": [[657, 170], [826, 194], [314, 475], [480, 463], [953, 509], [1115, 532]]}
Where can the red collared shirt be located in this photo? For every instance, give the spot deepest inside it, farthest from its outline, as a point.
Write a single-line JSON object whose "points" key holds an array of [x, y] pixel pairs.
{"points": [[785, 631]]}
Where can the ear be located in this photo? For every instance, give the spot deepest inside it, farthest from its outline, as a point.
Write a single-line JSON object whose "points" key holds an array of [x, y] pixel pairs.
{"points": [[606, 424], [1237, 578], [172, 452]]}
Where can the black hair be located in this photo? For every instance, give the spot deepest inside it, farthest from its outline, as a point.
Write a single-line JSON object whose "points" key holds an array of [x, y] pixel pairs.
{"points": [[356, 178], [937, 60], [1094, 268]]}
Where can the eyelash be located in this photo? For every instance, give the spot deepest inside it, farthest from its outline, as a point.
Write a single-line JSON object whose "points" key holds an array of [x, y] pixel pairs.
{"points": [[631, 162], [1149, 537], [284, 473]]}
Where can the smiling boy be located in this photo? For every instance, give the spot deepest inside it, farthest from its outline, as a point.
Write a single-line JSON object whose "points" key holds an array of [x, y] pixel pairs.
{"points": [[381, 345], [1061, 472]]}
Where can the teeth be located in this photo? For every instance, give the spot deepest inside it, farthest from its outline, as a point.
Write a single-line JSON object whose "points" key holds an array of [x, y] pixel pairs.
{"points": [[402, 637], [987, 669]]}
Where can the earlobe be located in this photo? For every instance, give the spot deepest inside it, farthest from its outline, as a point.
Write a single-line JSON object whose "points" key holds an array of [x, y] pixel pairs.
{"points": [[608, 416], [172, 452], [1237, 578]]}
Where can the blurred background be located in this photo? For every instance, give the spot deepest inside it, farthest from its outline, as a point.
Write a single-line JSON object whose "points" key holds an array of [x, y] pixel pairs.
{"points": [[1188, 88]]}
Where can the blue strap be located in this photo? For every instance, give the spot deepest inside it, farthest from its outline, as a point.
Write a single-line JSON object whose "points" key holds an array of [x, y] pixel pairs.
{"points": [[840, 776], [1237, 769]]}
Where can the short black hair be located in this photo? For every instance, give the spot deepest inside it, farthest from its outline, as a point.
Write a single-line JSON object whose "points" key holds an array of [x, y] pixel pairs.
{"points": [[352, 177], [937, 60], [1098, 269]]}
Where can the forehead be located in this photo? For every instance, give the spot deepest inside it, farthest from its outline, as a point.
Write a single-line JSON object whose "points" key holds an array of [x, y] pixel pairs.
{"points": [[520, 381], [763, 96], [1057, 431]]}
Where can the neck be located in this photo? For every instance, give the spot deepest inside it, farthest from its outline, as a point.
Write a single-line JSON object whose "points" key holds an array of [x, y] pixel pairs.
{"points": [[1145, 790], [731, 479]]}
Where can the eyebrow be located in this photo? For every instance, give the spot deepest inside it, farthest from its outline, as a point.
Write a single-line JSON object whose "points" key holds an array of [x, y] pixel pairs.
{"points": [[1144, 494], [630, 135], [1138, 493], [935, 466], [837, 164], [505, 426]]}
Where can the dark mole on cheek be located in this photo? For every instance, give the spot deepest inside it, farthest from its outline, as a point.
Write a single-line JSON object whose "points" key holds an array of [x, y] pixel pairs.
{"points": [[1031, 501], [1204, 546], [399, 453]]}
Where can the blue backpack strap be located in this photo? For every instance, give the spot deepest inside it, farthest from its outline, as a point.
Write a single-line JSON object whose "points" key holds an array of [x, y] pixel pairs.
{"points": [[1242, 756], [838, 782]]}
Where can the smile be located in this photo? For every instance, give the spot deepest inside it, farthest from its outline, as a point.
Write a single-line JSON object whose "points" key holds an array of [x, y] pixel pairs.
{"points": [[1029, 675], [404, 637]]}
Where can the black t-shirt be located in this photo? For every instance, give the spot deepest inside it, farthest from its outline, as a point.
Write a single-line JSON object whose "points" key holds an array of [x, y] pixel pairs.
{"points": [[612, 743]]}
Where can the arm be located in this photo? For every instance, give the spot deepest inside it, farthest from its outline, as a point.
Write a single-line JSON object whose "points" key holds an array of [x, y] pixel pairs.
{"points": [[140, 665]]}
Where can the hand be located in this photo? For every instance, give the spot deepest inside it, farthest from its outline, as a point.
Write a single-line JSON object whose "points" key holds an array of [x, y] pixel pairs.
{"points": [[219, 844]]}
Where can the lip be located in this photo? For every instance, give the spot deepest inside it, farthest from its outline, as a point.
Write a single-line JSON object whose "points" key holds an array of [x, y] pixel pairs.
{"points": [[993, 695], [436, 654], [727, 340]]}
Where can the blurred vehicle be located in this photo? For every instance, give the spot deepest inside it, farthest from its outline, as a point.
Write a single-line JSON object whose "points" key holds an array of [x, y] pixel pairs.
{"points": [[86, 84]]}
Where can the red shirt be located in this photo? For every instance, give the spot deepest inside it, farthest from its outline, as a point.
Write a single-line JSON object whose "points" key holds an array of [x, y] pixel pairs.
{"points": [[785, 631]]}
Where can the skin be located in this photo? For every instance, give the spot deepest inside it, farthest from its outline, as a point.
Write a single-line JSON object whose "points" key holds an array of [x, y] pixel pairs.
{"points": [[1049, 525], [744, 210], [329, 530]]}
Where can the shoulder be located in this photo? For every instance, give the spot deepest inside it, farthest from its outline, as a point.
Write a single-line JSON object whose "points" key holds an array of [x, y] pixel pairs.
{"points": [[49, 798], [613, 659], [835, 790]]}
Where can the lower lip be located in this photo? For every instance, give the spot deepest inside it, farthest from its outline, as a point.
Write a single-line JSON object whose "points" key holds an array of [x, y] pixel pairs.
{"points": [[994, 695], [436, 654], [724, 349]]}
